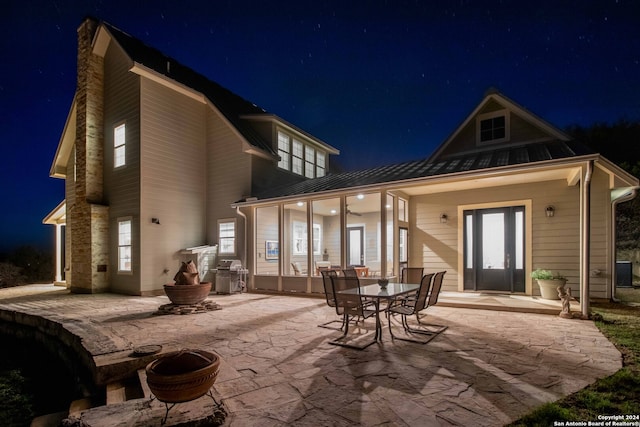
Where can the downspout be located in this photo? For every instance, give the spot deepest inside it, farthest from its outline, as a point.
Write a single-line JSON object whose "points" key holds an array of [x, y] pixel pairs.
{"points": [[630, 194], [244, 245], [586, 240]]}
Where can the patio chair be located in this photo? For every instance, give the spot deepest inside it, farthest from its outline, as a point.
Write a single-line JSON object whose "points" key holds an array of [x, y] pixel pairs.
{"points": [[350, 272], [411, 275], [353, 307], [297, 270], [427, 295], [331, 300]]}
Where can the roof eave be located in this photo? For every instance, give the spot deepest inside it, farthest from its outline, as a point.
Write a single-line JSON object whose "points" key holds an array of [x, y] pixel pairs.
{"points": [[291, 127], [399, 184], [65, 144]]}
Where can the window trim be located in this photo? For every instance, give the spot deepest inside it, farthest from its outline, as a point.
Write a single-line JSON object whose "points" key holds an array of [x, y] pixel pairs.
{"points": [[492, 115], [234, 238], [121, 245]]}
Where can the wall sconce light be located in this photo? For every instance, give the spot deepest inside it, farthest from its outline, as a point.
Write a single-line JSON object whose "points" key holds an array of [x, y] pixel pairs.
{"points": [[550, 211], [443, 218], [155, 221]]}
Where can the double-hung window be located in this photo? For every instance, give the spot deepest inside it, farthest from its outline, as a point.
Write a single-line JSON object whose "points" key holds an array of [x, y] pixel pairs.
{"points": [[284, 151], [227, 237], [320, 164], [296, 156], [124, 245], [119, 140], [309, 161]]}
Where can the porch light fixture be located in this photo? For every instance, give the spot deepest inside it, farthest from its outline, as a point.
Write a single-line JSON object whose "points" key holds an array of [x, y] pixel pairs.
{"points": [[550, 211], [443, 218]]}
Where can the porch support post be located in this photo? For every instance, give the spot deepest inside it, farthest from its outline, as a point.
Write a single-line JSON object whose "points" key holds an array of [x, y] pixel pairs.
{"points": [[585, 250], [58, 278]]}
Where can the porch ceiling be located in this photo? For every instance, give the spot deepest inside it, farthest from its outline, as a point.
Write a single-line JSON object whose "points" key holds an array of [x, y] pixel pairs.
{"points": [[457, 183]]}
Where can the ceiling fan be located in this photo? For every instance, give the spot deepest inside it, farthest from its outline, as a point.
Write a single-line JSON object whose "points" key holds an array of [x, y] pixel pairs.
{"points": [[349, 212]]}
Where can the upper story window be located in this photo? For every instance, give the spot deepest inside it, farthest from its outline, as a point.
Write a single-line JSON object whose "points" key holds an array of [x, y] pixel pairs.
{"points": [[284, 151], [300, 158], [493, 127], [320, 164], [119, 140], [309, 161], [296, 157], [227, 237]]}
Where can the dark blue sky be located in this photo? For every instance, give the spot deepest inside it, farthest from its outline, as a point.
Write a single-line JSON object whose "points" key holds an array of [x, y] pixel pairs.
{"points": [[383, 81]]}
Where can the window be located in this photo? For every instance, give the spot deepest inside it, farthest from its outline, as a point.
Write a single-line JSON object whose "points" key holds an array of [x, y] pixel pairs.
{"points": [[300, 158], [320, 164], [299, 234], [317, 239], [299, 242], [493, 127], [296, 157], [403, 239], [227, 237], [284, 151], [119, 139], [124, 245], [309, 161], [402, 210]]}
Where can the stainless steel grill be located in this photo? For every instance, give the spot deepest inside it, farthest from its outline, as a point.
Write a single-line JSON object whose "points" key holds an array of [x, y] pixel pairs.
{"points": [[230, 276]]}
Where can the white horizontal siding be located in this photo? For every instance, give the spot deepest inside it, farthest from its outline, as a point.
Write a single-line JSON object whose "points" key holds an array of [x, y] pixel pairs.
{"points": [[554, 242], [122, 185], [228, 176], [173, 180]]}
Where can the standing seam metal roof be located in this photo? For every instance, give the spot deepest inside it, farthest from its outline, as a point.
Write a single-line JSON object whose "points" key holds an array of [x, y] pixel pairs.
{"points": [[476, 161]]}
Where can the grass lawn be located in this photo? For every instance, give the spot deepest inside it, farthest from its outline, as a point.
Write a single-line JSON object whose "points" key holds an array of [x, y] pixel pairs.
{"points": [[618, 394]]}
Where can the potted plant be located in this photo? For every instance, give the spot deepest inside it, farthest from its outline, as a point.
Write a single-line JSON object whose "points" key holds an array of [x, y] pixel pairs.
{"points": [[549, 283]]}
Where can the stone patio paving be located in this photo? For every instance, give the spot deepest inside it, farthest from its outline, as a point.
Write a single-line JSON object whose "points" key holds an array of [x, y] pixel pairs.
{"points": [[487, 369]]}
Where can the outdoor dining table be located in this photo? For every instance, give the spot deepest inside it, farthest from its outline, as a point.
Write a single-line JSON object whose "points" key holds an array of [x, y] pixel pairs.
{"points": [[377, 293]]}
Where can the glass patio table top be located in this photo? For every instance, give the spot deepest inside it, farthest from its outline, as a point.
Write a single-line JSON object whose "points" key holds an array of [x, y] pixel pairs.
{"points": [[392, 290]]}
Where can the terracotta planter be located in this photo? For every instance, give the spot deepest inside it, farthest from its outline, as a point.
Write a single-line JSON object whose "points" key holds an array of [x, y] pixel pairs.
{"points": [[183, 375], [549, 287], [188, 294]]}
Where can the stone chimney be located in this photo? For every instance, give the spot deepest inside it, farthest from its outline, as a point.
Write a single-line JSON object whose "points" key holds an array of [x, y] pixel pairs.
{"points": [[87, 217]]}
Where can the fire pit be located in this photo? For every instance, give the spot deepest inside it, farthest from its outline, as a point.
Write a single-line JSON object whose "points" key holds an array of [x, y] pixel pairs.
{"points": [[182, 376]]}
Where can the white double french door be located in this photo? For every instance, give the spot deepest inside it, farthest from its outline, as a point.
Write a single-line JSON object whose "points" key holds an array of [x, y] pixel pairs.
{"points": [[494, 249]]}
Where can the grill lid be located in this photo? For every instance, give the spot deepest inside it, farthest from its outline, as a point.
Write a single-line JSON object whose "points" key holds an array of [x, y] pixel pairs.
{"points": [[229, 264]]}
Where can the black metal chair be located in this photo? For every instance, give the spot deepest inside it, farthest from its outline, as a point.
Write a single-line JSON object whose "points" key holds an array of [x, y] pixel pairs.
{"points": [[350, 272], [427, 296], [331, 300], [411, 275], [353, 307]]}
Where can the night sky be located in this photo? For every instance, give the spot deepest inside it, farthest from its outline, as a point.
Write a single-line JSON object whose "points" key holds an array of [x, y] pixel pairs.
{"points": [[383, 81]]}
